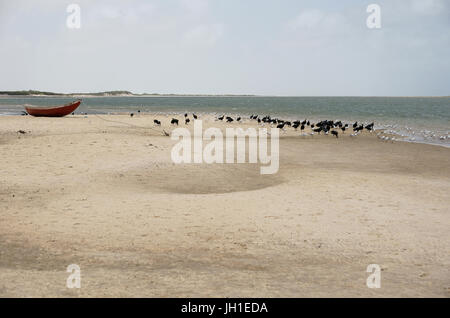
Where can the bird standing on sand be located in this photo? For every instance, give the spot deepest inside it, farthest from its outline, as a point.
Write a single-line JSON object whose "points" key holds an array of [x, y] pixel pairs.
{"points": [[318, 130], [369, 127]]}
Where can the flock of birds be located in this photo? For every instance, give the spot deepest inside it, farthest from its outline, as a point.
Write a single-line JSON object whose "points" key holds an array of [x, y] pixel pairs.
{"points": [[325, 126]]}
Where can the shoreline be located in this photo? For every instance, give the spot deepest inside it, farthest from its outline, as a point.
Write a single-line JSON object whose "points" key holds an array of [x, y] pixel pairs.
{"points": [[379, 127]]}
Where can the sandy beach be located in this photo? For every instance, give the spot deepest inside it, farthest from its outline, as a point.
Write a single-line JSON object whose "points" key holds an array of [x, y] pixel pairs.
{"points": [[103, 193]]}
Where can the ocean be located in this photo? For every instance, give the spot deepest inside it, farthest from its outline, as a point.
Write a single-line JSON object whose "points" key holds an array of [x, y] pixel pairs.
{"points": [[417, 119]]}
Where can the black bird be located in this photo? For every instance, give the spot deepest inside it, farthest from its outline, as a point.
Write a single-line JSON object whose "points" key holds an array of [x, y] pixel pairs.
{"points": [[355, 124], [295, 125], [370, 127], [221, 118], [157, 122], [312, 126], [302, 127], [259, 120], [131, 115], [238, 119], [318, 130], [358, 128], [343, 129], [307, 123], [139, 111], [185, 115], [187, 121], [174, 121], [229, 119], [195, 116], [334, 133], [281, 126]]}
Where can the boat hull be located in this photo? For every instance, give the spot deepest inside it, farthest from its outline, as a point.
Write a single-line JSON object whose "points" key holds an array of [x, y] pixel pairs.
{"points": [[58, 111]]}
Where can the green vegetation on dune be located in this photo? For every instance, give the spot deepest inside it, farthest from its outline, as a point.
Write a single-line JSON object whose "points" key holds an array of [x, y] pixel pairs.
{"points": [[34, 92], [29, 92], [107, 93]]}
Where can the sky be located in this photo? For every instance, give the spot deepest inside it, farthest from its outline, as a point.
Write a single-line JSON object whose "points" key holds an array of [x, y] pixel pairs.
{"points": [[262, 47]]}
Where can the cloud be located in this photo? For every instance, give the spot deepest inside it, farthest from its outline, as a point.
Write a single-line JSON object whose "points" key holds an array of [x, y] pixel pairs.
{"points": [[196, 7], [307, 19], [181, 46], [204, 34], [428, 7], [313, 27], [314, 19]]}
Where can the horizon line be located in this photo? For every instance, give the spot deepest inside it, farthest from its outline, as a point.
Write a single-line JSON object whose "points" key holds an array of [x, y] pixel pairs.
{"points": [[118, 93]]}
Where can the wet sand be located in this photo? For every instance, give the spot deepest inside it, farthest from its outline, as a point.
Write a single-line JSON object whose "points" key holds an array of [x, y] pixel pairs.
{"points": [[103, 193]]}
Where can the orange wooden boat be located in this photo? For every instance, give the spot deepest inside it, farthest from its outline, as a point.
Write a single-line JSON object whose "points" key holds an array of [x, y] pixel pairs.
{"points": [[56, 111]]}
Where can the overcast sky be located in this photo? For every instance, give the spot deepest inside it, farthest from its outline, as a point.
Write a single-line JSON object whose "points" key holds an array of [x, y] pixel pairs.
{"points": [[269, 47]]}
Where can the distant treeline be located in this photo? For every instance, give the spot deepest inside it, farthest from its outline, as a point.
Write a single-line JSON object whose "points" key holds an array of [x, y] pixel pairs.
{"points": [[33, 92], [29, 92], [109, 93]]}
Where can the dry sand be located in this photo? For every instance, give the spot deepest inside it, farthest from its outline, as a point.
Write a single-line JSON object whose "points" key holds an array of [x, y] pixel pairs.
{"points": [[104, 194]]}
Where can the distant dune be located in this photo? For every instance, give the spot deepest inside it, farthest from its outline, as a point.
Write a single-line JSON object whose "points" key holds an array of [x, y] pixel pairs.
{"points": [[108, 93], [41, 93]]}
